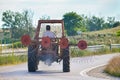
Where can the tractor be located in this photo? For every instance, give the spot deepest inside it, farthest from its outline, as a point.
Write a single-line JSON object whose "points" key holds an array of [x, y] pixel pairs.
{"points": [[46, 49]]}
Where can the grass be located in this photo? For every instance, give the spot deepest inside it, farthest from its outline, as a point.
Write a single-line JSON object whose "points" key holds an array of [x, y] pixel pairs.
{"points": [[105, 37], [113, 67], [80, 53], [12, 59], [106, 31], [16, 45]]}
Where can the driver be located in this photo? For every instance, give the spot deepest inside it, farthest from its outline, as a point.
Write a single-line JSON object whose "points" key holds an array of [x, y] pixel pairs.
{"points": [[48, 32]]}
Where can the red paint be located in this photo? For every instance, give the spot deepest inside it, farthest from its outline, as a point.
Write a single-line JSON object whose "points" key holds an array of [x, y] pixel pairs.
{"points": [[63, 43], [82, 44], [25, 39], [46, 42]]}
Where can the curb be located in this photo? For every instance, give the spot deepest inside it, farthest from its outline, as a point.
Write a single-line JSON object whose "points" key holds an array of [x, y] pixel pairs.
{"points": [[84, 72]]}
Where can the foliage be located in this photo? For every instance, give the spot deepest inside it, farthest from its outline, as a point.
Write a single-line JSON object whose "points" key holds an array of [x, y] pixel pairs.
{"points": [[118, 33], [75, 52], [16, 45], [17, 23], [12, 59], [111, 21], [9, 40], [95, 23], [75, 22], [116, 24], [72, 22]]}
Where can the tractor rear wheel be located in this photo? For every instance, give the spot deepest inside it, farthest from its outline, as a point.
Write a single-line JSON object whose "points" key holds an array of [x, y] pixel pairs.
{"points": [[66, 60], [32, 59]]}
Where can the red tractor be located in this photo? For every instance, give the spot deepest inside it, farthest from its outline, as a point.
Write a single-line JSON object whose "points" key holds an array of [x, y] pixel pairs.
{"points": [[47, 49]]}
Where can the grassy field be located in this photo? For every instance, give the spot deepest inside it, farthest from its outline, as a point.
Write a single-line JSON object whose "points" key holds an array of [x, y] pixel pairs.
{"points": [[102, 37], [105, 31], [107, 37]]}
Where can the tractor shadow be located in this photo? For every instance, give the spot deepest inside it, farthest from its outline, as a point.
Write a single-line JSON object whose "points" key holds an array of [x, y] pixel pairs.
{"points": [[23, 73], [48, 72]]}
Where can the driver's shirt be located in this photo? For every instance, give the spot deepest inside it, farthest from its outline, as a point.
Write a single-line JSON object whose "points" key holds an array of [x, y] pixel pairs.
{"points": [[49, 34]]}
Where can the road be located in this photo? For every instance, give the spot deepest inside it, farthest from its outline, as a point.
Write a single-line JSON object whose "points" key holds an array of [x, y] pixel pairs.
{"points": [[54, 72]]}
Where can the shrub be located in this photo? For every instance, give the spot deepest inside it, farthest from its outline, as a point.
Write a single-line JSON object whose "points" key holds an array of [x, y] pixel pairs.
{"points": [[16, 45], [113, 67], [118, 33]]}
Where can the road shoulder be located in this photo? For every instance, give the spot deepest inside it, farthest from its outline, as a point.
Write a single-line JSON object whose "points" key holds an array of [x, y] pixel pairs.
{"points": [[99, 73]]}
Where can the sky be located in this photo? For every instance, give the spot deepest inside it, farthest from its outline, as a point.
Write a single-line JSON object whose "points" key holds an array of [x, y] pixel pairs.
{"points": [[57, 8]]}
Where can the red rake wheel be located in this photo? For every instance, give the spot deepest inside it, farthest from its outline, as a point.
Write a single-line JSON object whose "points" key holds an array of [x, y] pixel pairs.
{"points": [[63, 43], [82, 44], [46, 42], [25, 39]]}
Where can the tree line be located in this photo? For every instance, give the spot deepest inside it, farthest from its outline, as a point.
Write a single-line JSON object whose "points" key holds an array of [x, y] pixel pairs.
{"points": [[75, 23], [19, 24]]}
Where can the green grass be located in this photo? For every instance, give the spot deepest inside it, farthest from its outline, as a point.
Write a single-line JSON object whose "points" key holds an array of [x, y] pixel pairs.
{"points": [[12, 59], [16, 45], [80, 53]]}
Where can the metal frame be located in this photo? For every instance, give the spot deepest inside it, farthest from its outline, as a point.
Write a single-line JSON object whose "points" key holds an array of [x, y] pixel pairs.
{"points": [[48, 21]]}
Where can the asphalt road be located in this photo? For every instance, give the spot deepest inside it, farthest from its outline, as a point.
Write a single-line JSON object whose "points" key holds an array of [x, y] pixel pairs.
{"points": [[54, 72]]}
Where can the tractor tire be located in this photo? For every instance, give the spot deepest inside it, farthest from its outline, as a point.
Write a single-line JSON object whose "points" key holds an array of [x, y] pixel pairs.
{"points": [[66, 60], [32, 59]]}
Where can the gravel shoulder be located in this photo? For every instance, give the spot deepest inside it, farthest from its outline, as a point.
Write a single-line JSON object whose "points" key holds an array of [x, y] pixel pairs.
{"points": [[99, 73]]}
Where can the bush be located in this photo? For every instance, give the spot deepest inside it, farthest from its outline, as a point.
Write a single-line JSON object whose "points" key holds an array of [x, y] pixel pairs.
{"points": [[16, 45], [115, 50], [73, 41], [113, 67], [118, 33]]}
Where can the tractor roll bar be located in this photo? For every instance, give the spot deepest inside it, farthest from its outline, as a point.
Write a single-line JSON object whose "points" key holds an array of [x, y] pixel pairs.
{"points": [[48, 21]]}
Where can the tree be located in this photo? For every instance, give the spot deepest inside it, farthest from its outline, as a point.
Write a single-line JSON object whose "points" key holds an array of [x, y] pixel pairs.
{"points": [[27, 18], [8, 18], [117, 23], [18, 23], [72, 23], [95, 23], [111, 21]]}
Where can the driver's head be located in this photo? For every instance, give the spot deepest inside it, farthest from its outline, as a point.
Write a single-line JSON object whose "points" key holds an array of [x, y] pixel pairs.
{"points": [[48, 27]]}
